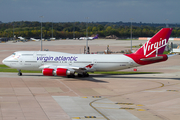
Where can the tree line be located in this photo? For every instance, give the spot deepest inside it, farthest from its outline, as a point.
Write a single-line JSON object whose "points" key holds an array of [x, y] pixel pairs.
{"points": [[30, 29]]}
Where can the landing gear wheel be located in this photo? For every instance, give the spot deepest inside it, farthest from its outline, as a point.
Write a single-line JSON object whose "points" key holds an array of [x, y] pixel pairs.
{"points": [[19, 73], [86, 75], [80, 75], [71, 76], [83, 75]]}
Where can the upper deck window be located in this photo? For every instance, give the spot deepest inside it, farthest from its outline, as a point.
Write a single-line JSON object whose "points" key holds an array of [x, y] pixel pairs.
{"points": [[27, 54]]}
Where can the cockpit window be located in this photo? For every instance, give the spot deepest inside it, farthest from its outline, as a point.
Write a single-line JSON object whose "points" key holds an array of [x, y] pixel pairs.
{"points": [[14, 54]]}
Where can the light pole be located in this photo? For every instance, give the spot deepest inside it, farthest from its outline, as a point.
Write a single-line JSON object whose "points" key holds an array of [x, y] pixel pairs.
{"points": [[87, 35], [131, 35], [52, 30], [167, 23], [41, 31], [74, 30], [13, 31]]}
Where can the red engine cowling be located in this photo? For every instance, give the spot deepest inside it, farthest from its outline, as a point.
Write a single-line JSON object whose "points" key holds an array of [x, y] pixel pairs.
{"points": [[58, 72], [61, 72], [48, 72]]}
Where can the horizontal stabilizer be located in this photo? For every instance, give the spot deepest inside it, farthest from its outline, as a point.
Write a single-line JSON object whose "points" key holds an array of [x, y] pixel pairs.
{"points": [[152, 58]]}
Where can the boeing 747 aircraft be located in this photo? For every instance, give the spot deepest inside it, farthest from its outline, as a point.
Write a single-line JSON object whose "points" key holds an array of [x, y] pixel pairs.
{"points": [[65, 64]]}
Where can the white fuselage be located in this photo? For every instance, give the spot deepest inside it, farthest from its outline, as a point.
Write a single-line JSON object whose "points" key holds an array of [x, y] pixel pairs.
{"points": [[33, 60]]}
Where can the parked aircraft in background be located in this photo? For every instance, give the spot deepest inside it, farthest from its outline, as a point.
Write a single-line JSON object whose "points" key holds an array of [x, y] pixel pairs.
{"points": [[89, 38], [33, 39], [21, 38], [65, 64], [52, 38]]}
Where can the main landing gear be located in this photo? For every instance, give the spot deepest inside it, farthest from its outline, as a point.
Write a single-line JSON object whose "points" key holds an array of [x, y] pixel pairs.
{"points": [[71, 76], [19, 73], [85, 74]]}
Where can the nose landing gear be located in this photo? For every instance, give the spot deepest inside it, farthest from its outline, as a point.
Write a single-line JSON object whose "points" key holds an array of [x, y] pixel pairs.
{"points": [[19, 73]]}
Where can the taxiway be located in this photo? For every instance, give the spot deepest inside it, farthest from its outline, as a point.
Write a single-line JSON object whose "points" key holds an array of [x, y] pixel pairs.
{"points": [[98, 97]]}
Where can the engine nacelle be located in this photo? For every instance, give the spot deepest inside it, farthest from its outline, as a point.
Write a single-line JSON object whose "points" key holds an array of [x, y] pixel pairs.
{"points": [[58, 72], [61, 72], [48, 72]]}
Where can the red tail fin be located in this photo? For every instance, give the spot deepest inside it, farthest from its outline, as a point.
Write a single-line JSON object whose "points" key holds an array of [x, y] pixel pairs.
{"points": [[151, 51], [156, 44]]}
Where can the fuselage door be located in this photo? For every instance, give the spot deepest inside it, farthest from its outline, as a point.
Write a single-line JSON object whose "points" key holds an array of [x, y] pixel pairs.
{"points": [[20, 61], [35, 55], [131, 63], [70, 63], [94, 62]]}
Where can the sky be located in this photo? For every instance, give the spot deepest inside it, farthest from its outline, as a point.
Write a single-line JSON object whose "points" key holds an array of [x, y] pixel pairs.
{"points": [[145, 11]]}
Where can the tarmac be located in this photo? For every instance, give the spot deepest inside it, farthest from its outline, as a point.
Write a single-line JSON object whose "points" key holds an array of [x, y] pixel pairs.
{"points": [[98, 97]]}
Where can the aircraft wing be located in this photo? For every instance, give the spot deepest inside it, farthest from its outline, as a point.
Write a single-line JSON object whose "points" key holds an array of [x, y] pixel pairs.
{"points": [[75, 68]]}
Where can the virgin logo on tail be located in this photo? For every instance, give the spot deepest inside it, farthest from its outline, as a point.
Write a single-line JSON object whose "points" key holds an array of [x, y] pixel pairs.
{"points": [[153, 47], [156, 45]]}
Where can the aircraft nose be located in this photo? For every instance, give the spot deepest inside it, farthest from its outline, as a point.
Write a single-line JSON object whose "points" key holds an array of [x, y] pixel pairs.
{"points": [[3, 61]]}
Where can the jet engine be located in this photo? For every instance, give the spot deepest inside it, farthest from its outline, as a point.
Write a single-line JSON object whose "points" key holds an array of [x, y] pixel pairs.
{"points": [[48, 72], [57, 72]]}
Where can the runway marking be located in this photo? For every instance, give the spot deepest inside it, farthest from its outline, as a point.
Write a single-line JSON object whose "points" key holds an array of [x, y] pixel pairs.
{"points": [[70, 90], [90, 116], [173, 90], [106, 108], [141, 110], [125, 103], [76, 118], [103, 103], [125, 108], [95, 108], [162, 85], [96, 96], [139, 105], [84, 97], [120, 103], [86, 117]]}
